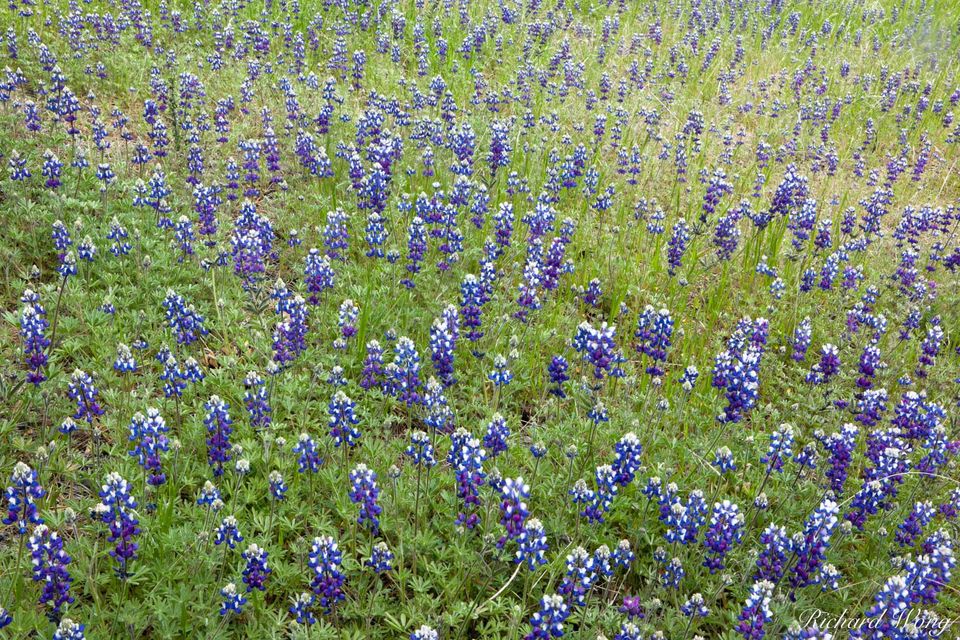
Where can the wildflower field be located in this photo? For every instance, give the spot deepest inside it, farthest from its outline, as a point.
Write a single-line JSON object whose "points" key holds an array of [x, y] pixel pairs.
{"points": [[450, 319]]}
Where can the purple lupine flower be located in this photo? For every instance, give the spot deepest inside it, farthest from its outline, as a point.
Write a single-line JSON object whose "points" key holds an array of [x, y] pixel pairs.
{"points": [[557, 372], [336, 236], [232, 601], [118, 511], [725, 531], [318, 275], [50, 567], [654, 330], [257, 401], [513, 509], [871, 406], [404, 373], [840, 446], [289, 334], [228, 533], [219, 428], [84, 393], [599, 349], [810, 546], [183, 319], [827, 368], [677, 246], [373, 372], [495, 439], [22, 495], [443, 342], [149, 433], [773, 559], [580, 577], [33, 328], [327, 581], [52, 168], [780, 449], [801, 339], [256, 571], [756, 611], [347, 317], [364, 492], [466, 458], [342, 420], [919, 517], [309, 458]]}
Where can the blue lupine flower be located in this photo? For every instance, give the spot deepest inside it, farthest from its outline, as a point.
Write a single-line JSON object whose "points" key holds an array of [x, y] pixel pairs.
{"points": [[598, 348], [780, 450], [365, 492], [208, 494], [84, 393], [33, 327], [723, 460], [756, 611], [50, 567], [513, 509], [119, 513], [811, 546], [380, 558], [495, 439], [342, 420], [125, 362], [532, 544], [218, 424], [654, 330], [404, 375], [421, 449], [548, 621], [309, 458], [466, 458], [425, 633], [232, 601], [327, 582], [557, 371], [69, 630], [183, 319], [278, 487], [149, 435], [725, 531], [695, 607], [318, 275], [22, 495], [501, 374], [827, 368], [301, 606], [257, 401], [256, 571], [228, 532]]}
